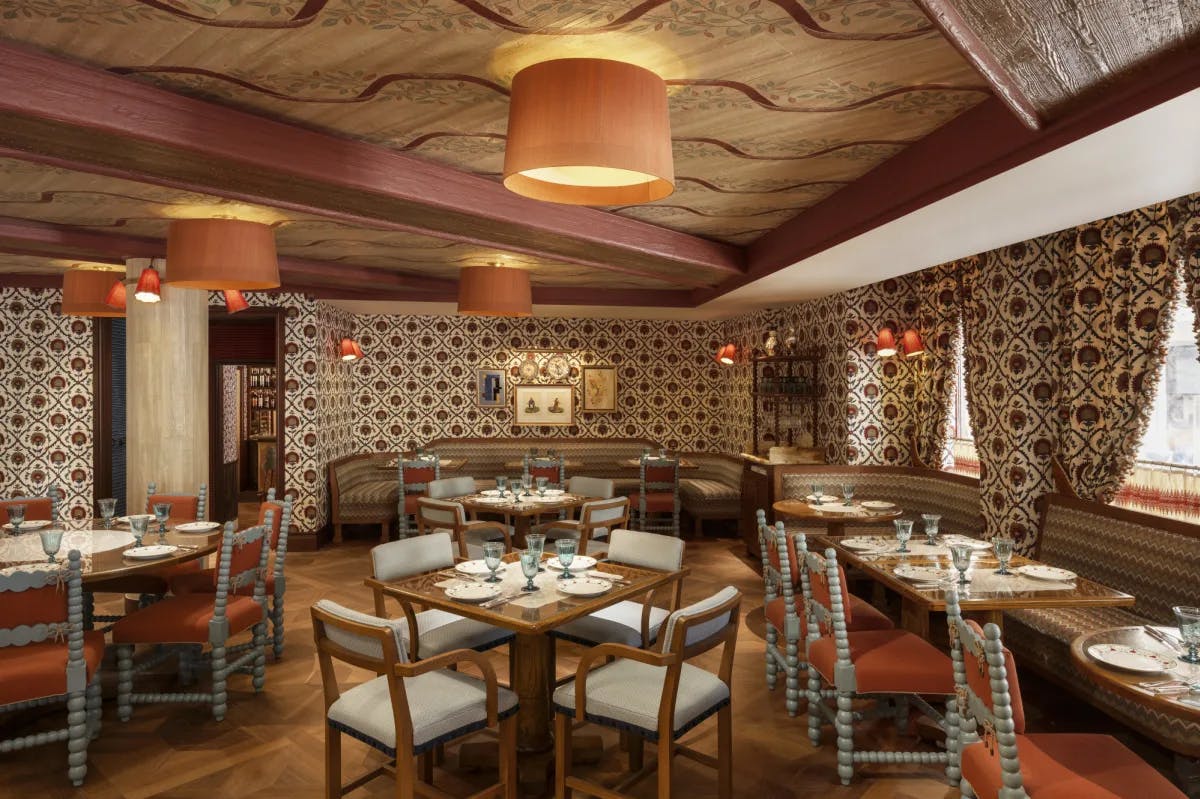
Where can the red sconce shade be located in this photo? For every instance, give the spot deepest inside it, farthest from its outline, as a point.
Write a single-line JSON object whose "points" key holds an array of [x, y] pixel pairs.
{"points": [[116, 296], [912, 344], [350, 350], [85, 292], [148, 286], [885, 345], [725, 355], [235, 301]]}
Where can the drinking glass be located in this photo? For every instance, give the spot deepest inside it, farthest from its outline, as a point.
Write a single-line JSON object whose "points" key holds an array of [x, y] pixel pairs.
{"points": [[847, 493], [662, 454], [493, 556], [137, 525], [817, 491], [501, 484], [645, 452], [960, 556], [931, 521], [51, 541], [526, 482], [1003, 547], [16, 517], [162, 512], [529, 568], [903, 533], [108, 509], [541, 486], [1189, 631], [537, 541], [566, 554]]}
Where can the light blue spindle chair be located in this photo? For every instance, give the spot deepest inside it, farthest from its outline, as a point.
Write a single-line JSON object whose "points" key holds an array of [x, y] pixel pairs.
{"points": [[552, 467], [896, 667], [46, 657], [180, 623], [415, 477], [784, 611], [184, 507], [657, 499]]}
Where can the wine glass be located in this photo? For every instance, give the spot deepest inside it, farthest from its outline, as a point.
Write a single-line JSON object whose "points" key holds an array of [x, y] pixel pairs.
{"points": [[108, 509], [138, 524], [566, 554], [1003, 547], [162, 512], [16, 517], [537, 541], [1189, 630], [542, 482], [526, 482], [501, 484], [529, 568], [960, 556], [818, 491], [931, 521], [662, 454], [903, 533], [848, 493], [493, 556], [51, 541]]}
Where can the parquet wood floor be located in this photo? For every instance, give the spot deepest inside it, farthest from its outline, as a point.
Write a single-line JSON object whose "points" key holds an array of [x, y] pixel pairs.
{"points": [[270, 745]]}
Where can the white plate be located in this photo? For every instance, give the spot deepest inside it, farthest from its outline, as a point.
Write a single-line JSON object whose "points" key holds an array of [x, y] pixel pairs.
{"points": [[1128, 658], [153, 552], [824, 498], [860, 544], [125, 519], [196, 527], [584, 586], [31, 524], [877, 504], [973, 543], [492, 500], [490, 492], [473, 592], [474, 567], [554, 492], [1040, 571], [921, 574], [581, 563], [834, 508], [547, 498]]}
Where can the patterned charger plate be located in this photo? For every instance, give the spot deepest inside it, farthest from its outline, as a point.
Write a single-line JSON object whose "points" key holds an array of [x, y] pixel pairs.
{"points": [[196, 527], [473, 567], [581, 563], [32, 524], [921, 574], [878, 504], [473, 592], [1128, 658], [153, 552], [862, 543], [584, 586], [1040, 571]]}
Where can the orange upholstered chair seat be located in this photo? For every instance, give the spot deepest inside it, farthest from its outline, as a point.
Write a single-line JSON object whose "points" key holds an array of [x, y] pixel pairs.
{"points": [[36, 670], [184, 620], [1069, 766], [793, 559], [866, 616], [410, 503], [183, 507], [37, 509], [549, 472], [656, 501], [888, 661], [203, 581]]}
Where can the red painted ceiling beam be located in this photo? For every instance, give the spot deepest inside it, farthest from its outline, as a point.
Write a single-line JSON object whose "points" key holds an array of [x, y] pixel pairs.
{"points": [[96, 121]]}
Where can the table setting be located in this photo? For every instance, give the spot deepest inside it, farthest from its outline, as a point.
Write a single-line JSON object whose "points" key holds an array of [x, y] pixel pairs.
{"points": [[1157, 660], [820, 502]]}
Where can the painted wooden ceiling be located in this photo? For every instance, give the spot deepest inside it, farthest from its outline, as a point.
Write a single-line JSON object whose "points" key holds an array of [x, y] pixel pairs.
{"points": [[775, 104]]}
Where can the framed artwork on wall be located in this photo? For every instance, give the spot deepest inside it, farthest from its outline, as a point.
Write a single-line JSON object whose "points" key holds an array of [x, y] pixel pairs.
{"points": [[544, 405], [600, 389], [490, 391]]}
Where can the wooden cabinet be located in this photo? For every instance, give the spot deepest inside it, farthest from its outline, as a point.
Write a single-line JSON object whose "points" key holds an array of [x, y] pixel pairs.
{"points": [[784, 395]]}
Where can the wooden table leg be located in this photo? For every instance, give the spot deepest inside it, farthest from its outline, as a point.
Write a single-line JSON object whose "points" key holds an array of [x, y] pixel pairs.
{"points": [[914, 617], [983, 617], [520, 528], [531, 658]]}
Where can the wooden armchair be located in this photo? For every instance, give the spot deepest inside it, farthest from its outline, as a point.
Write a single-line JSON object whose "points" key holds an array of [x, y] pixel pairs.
{"points": [[596, 519], [441, 514]]}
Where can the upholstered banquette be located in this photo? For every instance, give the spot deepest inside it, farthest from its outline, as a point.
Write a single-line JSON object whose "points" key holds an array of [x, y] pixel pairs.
{"points": [[363, 491], [713, 490], [1157, 560]]}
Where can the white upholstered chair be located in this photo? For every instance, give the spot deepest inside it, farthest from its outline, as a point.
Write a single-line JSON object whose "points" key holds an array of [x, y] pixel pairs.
{"points": [[443, 515], [629, 622], [451, 487], [598, 487], [622, 694], [596, 518], [411, 708], [438, 631]]}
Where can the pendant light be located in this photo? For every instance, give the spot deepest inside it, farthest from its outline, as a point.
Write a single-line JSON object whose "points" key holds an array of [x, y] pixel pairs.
{"points": [[589, 131], [85, 293], [235, 301], [117, 296], [148, 286], [221, 254], [494, 291]]}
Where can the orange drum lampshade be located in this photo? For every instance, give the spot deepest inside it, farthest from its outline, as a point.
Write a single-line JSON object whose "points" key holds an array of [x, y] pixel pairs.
{"points": [[85, 292], [221, 254], [912, 344], [589, 131], [350, 350], [726, 354], [148, 286], [885, 345], [235, 301], [117, 295], [494, 291]]}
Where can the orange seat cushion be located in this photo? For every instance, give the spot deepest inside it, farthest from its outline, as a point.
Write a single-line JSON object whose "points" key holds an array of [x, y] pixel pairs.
{"points": [[204, 582], [656, 501], [37, 670], [36, 508], [184, 508], [410, 504], [184, 620], [979, 679], [1069, 766], [889, 662], [866, 616]]}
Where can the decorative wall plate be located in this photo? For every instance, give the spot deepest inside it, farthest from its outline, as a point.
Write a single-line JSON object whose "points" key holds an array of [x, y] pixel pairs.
{"points": [[558, 367], [528, 370]]}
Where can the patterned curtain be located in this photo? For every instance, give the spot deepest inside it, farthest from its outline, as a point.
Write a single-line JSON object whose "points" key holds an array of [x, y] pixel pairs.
{"points": [[1116, 288], [938, 324], [1185, 248]]}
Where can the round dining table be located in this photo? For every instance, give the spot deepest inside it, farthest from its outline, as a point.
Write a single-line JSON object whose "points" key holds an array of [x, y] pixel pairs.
{"points": [[835, 523]]}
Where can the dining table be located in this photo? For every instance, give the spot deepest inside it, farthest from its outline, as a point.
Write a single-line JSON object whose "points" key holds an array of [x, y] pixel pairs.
{"points": [[520, 514], [834, 514], [444, 464], [531, 616], [569, 465], [984, 597], [636, 463]]}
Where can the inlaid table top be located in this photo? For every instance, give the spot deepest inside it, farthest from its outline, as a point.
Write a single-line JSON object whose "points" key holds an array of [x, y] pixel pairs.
{"points": [[800, 509], [636, 463], [102, 550], [567, 464], [445, 464], [480, 503]]}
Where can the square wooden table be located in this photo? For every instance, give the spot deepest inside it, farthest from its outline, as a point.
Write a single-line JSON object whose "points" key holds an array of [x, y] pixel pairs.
{"points": [[531, 654], [917, 604], [520, 514]]}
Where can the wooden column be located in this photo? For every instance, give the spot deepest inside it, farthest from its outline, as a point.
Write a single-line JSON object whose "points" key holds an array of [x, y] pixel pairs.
{"points": [[166, 389]]}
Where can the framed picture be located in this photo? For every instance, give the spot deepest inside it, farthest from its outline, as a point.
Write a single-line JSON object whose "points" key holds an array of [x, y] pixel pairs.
{"points": [[489, 388], [544, 405], [599, 388]]}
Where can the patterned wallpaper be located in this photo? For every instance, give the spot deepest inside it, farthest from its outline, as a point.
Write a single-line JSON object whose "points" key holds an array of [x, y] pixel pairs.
{"points": [[45, 399], [417, 381]]}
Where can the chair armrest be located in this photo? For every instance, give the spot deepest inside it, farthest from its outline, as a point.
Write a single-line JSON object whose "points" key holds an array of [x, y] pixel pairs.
{"points": [[459, 656], [486, 525], [617, 651]]}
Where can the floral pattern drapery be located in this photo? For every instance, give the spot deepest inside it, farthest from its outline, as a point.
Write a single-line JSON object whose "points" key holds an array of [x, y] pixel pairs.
{"points": [[1185, 248]]}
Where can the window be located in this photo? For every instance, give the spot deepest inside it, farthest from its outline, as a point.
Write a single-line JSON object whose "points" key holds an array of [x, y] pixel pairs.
{"points": [[960, 441]]}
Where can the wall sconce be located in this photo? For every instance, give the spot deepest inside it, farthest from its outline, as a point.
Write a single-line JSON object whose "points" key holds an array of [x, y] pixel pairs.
{"points": [[885, 345], [148, 286], [235, 301], [912, 344], [116, 296], [726, 354], [349, 349]]}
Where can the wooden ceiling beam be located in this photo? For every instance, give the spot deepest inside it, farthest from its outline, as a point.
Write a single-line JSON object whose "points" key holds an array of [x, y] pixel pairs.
{"points": [[92, 120]]}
